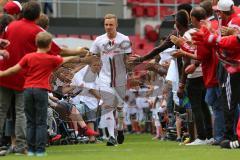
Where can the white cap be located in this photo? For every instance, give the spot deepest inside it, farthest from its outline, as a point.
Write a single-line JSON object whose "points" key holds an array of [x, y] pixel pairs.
{"points": [[224, 5]]}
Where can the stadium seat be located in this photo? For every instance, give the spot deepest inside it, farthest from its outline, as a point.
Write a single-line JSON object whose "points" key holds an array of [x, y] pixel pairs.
{"points": [[93, 37], [61, 35], [149, 1], [73, 35], [184, 1], [169, 1], [151, 11], [165, 11], [85, 36], [138, 11]]}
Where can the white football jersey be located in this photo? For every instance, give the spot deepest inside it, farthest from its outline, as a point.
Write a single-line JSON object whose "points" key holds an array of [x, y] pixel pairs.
{"points": [[112, 52]]}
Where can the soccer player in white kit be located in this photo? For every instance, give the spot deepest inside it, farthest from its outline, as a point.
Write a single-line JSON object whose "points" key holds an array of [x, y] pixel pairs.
{"points": [[113, 48]]}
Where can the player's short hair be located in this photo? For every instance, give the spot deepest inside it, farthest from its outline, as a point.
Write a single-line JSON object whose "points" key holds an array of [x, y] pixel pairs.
{"points": [[199, 13], [110, 16], [43, 39]]}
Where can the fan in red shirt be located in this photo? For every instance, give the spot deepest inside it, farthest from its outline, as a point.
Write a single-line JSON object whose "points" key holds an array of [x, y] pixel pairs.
{"points": [[38, 67], [21, 34]]}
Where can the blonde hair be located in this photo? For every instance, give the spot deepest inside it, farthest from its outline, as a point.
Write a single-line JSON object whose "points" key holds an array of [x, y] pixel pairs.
{"points": [[110, 16], [43, 39]]}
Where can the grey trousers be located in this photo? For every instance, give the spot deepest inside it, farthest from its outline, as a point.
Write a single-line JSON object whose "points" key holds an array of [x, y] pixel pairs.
{"points": [[6, 96]]}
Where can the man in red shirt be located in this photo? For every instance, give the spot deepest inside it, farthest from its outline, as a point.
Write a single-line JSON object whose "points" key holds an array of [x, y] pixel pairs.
{"points": [[21, 34], [39, 66]]}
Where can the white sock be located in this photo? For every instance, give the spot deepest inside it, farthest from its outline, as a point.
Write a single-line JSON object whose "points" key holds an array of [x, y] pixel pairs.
{"points": [[110, 122]]}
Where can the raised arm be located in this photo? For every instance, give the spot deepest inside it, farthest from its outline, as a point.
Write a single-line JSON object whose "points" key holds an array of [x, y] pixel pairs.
{"points": [[10, 71]]}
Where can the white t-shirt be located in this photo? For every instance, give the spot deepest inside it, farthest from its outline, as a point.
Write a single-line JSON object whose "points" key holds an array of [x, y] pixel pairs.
{"points": [[198, 71], [86, 79], [113, 72], [142, 102]]}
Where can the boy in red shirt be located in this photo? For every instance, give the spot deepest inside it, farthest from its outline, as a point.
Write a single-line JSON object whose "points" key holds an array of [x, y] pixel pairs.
{"points": [[38, 67]]}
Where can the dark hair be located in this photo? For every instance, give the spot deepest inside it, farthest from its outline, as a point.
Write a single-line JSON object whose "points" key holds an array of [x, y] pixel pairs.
{"points": [[207, 5], [185, 6], [31, 10], [43, 39], [5, 19], [182, 18], [199, 13]]}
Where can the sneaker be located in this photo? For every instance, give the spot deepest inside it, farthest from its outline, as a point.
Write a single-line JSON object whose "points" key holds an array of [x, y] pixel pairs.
{"points": [[163, 139], [3, 152], [20, 151], [120, 137], [210, 141], [90, 132], [56, 138], [179, 140], [156, 137], [3, 148], [41, 154], [230, 144], [30, 153], [11, 149], [197, 142], [111, 142]]}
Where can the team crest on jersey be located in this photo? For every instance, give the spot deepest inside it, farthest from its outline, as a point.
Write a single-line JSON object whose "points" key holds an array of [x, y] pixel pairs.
{"points": [[109, 47]]}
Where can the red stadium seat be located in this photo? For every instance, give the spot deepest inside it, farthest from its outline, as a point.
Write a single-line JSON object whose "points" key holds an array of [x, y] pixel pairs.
{"points": [[169, 1], [151, 11], [184, 1], [93, 37], [149, 1], [74, 35], [165, 11], [138, 11], [61, 35], [85, 36]]}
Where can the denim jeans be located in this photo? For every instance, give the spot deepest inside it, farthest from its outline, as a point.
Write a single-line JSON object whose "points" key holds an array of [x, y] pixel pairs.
{"points": [[6, 97], [36, 104], [213, 98]]}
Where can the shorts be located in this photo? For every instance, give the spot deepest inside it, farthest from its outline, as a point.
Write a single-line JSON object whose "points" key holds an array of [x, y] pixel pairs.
{"points": [[113, 97], [64, 110]]}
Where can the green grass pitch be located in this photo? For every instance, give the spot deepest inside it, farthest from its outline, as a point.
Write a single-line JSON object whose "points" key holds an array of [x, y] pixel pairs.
{"points": [[136, 147]]}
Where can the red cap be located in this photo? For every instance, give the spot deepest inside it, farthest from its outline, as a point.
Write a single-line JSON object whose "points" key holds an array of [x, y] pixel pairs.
{"points": [[12, 7]]}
